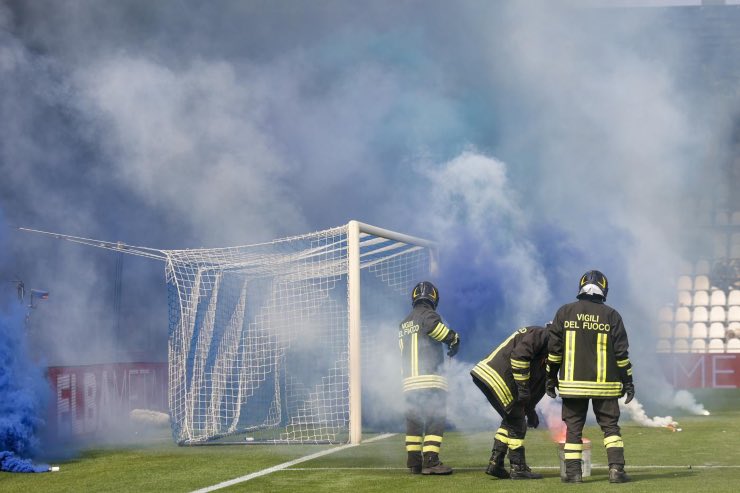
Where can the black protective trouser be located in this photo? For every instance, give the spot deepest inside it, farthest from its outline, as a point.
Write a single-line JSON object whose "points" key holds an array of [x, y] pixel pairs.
{"points": [[426, 412], [513, 426], [607, 416]]}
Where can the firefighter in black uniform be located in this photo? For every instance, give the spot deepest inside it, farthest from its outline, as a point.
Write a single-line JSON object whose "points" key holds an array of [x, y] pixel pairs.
{"points": [[420, 337], [588, 360], [512, 378]]}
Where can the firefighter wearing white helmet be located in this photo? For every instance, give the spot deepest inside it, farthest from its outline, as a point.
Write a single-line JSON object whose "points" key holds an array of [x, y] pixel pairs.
{"points": [[588, 360], [421, 337]]}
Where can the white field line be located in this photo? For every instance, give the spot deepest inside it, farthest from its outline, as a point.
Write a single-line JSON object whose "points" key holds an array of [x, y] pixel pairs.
{"points": [[286, 465], [535, 468]]}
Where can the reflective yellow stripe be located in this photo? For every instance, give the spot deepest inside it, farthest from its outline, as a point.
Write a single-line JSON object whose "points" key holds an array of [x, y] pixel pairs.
{"points": [[497, 383], [629, 371], [623, 362], [502, 435], [572, 455], [515, 443], [439, 332], [431, 448], [503, 344], [601, 340], [521, 378], [414, 354], [425, 382], [503, 431], [555, 358], [613, 441], [413, 448], [570, 447], [432, 438], [570, 353], [519, 364], [585, 384], [413, 439]]}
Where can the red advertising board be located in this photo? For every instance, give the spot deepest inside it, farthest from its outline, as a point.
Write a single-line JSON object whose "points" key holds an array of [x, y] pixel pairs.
{"points": [[93, 398], [711, 371]]}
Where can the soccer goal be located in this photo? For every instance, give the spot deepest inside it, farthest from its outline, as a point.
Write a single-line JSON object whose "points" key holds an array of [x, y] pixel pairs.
{"points": [[281, 342]]}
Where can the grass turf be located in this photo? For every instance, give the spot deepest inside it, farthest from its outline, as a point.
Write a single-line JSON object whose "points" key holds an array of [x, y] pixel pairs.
{"points": [[705, 456]]}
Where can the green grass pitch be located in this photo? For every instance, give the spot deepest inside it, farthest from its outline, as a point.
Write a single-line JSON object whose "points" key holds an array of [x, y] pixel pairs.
{"points": [[704, 457]]}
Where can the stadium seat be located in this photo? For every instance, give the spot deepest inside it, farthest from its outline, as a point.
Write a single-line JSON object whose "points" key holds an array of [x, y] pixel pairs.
{"points": [[701, 282], [684, 298], [717, 330], [700, 314], [685, 283], [733, 346], [666, 314], [702, 267], [681, 346], [733, 298], [718, 298], [733, 314], [663, 346], [681, 331], [701, 298], [699, 330], [735, 326], [716, 346], [717, 314], [698, 346], [665, 330], [683, 314]]}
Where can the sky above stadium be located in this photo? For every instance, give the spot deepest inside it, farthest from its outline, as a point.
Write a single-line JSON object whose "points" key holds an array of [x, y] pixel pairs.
{"points": [[533, 141]]}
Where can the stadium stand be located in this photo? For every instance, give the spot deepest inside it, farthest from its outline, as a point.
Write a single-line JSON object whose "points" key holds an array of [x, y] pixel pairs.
{"points": [[699, 331], [701, 298], [681, 331], [716, 346], [733, 346], [717, 331], [681, 346], [698, 346]]}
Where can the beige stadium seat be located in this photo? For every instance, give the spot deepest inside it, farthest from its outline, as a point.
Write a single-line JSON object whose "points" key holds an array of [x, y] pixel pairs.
{"points": [[699, 330], [702, 267], [681, 331], [733, 346], [665, 330], [683, 314], [700, 314], [684, 298], [701, 298], [665, 314], [716, 346], [733, 314], [718, 298], [681, 346], [717, 314], [698, 346], [663, 346], [735, 326], [685, 283], [733, 298], [701, 282], [717, 330]]}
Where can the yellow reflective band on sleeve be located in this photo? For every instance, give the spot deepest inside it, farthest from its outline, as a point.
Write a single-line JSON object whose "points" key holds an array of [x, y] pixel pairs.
{"points": [[432, 438], [494, 381], [570, 354], [519, 364], [571, 447], [601, 340], [440, 332], [519, 377], [424, 382], [623, 362], [515, 443], [555, 358], [430, 448], [613, 441], [572, 455]]}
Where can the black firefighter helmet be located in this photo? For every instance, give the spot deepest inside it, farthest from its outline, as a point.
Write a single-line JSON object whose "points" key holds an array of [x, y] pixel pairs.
{"points": [[425, 290], [594, 277]]}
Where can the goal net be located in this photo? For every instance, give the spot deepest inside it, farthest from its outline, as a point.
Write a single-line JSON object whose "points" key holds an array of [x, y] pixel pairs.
{"points": [[283, 341]]}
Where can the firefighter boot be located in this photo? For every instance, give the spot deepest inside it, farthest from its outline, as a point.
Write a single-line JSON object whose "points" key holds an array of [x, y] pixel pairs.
{"points": [[496, 463], [573, 472], [413, 462], [617, 474], [432, 465], [519, 467]]}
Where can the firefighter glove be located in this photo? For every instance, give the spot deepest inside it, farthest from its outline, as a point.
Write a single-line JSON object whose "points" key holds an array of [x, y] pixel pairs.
{"points": [[550, 386], [628, 389], [522, 392], [533, 421], [453, 346]]}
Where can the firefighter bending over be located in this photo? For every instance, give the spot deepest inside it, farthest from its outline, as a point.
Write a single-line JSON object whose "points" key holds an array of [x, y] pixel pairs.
{"points": [[588, 360], [512, 378], [421, 337]]}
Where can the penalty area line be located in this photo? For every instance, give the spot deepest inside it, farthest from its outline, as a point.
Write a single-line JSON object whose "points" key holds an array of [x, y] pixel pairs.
{"points": [[288, 464]]}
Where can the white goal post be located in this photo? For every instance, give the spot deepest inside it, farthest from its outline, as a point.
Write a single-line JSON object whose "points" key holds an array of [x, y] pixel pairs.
{"points": [[269, 343]]}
